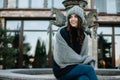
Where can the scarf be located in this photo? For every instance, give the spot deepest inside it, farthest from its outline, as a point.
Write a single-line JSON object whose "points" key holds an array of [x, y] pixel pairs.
{"points": [[64, 55]]}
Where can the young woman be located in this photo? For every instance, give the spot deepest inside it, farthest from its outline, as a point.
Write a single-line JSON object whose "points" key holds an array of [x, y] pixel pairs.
{"points": [[70, 58]]}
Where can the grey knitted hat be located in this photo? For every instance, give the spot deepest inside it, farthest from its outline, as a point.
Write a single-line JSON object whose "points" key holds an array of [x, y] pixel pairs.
{"points": [[76, 10]]}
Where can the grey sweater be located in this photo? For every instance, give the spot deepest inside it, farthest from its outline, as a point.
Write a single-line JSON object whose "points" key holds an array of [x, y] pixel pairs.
{"points": [[65, 55]]}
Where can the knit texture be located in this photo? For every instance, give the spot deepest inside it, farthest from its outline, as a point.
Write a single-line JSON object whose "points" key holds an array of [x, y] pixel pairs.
{"points": [[65, 55], [77, 10]]}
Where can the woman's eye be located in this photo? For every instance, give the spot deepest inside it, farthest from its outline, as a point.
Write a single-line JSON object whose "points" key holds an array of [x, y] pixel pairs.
{"points": [[70, 16], [75, 16]]}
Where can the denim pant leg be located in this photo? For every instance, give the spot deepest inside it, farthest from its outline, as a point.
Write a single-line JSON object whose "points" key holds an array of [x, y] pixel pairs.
{"points": [[80, 70], [83, 78]]}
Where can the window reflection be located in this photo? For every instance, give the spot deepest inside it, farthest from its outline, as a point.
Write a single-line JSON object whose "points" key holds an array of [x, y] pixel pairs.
{"points": [[33, 30], [117, 46], [32, 37], [13, 25], [58, 4], [36, 25], [37, 3], [14, 38], [11, 33], [108, 30], [1, 3], [55, 27], [118, 5], [23, 3], [117, 30], [108, 39], [109, 4], [97, 5], [106, 5], [104, 30]]}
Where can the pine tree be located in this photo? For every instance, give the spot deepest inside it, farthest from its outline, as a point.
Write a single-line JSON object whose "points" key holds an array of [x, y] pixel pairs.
{"points": [[104, 49], [40, 55], [7, 52]]}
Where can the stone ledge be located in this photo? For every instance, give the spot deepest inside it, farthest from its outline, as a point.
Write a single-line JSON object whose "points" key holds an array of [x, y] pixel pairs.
{"points": [[27, 74], [46, 74]]}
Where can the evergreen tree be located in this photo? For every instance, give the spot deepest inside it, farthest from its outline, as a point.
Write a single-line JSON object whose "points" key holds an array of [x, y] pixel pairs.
{"points": [[40, 55], [26, 48], [26, 56], [7, 52], [104, 57]]}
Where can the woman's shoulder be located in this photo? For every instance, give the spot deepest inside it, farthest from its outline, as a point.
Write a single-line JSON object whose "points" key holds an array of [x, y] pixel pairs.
{"points": [[63, 30]]}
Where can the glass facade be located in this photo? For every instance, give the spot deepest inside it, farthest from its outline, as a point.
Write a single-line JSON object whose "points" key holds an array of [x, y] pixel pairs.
{"points": [[13, 25], [111, 3], [105, 6], [32, 31], [117, 42], [23, 3], [106, 32], [118, 6], [32, 37], [97, 5], [1, 3], [39, 3]]}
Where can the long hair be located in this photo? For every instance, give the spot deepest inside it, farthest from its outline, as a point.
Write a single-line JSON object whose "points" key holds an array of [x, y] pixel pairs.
{"points": [[80, 31]]}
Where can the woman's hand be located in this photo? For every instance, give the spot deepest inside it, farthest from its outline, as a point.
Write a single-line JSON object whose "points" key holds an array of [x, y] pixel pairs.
{"points": [[62, 67], [88, 60]]}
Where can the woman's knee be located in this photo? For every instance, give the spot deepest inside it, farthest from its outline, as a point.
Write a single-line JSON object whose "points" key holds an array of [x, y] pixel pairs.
{"points": [[86, 67], [83, 78], [91, 68]]}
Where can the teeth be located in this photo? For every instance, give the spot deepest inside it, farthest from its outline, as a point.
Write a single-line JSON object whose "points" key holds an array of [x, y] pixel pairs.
{"points": [[73, 23]]}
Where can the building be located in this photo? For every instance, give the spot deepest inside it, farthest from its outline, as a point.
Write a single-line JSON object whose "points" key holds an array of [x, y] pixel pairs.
{"points": [[31, 19]]}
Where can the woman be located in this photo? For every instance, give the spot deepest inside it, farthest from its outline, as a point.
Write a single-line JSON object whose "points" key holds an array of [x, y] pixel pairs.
{"points": [[70, 58]]}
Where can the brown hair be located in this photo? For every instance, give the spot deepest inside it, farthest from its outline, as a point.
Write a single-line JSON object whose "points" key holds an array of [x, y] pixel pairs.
{"points": [[80, 31]]}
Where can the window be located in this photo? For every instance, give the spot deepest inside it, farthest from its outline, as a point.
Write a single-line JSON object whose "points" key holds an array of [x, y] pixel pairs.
{"points": [[104, 30], [111, 3], [1, 3], [23, 3], [107, 34], [100, 5], [117, 46], [31, 38], [57, 4], [36, 25], [32, 31], [118, 6], [117, 42], [117, 30], [105, 6], [39, 3], [13, 25]]}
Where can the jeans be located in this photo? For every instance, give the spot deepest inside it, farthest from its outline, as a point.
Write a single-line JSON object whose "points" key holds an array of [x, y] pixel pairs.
{"points": [[81, 72]]}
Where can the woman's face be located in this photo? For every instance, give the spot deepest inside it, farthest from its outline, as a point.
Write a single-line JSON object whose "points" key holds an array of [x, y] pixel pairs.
{"points": [[73, 19]]}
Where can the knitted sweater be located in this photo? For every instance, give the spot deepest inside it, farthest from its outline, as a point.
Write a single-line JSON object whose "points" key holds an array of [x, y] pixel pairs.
{"points": [[58, 72], [66, 56]]}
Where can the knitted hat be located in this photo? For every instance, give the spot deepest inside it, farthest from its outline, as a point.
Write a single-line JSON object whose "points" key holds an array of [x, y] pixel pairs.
{"points": [[77, 10]]}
